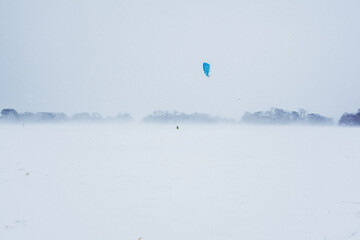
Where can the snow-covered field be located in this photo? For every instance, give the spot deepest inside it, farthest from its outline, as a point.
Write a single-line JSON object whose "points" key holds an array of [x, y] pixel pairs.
{"points": [[210, 182]]}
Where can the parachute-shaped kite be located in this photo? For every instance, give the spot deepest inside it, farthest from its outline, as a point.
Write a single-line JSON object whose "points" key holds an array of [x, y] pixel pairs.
{"points": [[206, 68]]}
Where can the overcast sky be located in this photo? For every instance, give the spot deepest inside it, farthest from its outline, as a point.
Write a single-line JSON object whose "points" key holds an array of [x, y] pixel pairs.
{"points": [[137, 56]]}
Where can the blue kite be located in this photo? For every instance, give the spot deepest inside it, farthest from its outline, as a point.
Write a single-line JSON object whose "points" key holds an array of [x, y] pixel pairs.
{"points": [[206, 68]]}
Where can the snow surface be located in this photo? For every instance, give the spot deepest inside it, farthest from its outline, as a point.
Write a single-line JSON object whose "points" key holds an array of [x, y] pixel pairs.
{"points": [[122, 182]]}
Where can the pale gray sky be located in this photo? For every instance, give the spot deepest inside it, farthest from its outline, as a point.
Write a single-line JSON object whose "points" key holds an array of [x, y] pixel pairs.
{"points": [[137, 56]]}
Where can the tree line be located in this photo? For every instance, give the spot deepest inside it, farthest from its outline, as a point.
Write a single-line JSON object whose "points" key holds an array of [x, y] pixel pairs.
{"points": [[273, 116], [11, 115]]}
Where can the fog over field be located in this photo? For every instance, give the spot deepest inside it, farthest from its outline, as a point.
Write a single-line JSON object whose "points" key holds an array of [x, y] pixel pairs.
{"points": [[179, 120], [199, 182]]}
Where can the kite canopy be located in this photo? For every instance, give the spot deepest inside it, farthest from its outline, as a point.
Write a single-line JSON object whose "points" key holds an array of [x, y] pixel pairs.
{"points": [[206, 68]]}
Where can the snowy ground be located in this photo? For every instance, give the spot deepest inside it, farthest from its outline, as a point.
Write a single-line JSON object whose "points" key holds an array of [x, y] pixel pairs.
{"points": [[122, 182]]}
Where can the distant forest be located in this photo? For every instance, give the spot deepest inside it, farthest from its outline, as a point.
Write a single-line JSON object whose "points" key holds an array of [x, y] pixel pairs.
{"points": [[280, 116], [275, 116], [178, 117], [350, 119], [11, 115]]}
